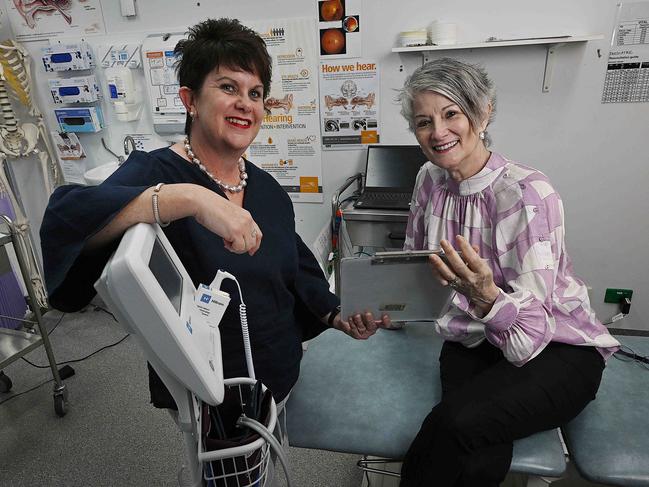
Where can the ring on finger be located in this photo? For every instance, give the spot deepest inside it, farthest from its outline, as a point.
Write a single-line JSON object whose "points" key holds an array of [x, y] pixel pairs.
{"points": [[454, 283]]}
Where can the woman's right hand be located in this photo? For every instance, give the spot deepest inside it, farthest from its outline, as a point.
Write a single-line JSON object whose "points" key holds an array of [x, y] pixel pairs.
{"points": [[239, 231], [361, 326]]}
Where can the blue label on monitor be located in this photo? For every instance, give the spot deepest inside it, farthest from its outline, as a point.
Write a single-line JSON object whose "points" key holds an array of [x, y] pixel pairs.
{"points": [[205, 298]]}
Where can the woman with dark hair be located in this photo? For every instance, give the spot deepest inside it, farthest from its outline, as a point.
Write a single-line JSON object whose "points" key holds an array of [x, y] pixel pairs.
{"points": [[523, 350], [218, 210]]}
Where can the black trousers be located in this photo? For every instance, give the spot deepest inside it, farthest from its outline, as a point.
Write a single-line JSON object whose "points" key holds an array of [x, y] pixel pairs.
{"points": [[487, 403]]}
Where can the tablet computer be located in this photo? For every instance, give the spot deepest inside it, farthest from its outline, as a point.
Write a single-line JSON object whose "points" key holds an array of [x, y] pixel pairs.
{"points": [[400, 284]]}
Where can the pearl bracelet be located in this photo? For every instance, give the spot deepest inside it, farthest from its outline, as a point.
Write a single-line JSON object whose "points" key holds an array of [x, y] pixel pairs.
{"points": [[156, 208]]}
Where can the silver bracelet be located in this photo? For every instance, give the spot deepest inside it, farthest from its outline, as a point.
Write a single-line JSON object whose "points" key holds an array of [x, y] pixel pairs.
{"points": [[156, 208]]}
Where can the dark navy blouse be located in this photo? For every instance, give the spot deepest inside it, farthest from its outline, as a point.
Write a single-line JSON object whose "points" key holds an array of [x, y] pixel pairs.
{"points": [[283, 287]]}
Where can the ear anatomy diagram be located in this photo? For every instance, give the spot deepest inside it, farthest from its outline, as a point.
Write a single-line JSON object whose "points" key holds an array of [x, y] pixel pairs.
{"points": [[29, 9], [367, 101], [332, 101], [286, 103]]}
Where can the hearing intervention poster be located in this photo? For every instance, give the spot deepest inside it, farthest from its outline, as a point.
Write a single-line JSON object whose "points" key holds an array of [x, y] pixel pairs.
{"points": [[288, 146], [349, 97]]}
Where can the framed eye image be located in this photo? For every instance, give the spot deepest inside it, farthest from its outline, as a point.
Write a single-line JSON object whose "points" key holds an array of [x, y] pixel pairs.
{"points": [[339, 28]]}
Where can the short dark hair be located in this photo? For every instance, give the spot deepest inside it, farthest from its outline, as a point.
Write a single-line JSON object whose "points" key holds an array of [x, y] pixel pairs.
{"points": [[221, 42]]}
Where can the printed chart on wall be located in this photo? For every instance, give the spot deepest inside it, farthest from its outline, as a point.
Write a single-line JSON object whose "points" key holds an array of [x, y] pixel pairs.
{"points": [[339, 28], [44, 19], [349, 99], [287, 145], [627, 72], [69, 152]]}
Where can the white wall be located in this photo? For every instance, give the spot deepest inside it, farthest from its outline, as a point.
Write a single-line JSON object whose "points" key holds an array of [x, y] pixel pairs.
{"points": [[594, 153]]}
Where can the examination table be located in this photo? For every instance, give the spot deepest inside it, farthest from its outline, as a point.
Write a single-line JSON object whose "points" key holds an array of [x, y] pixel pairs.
{"points": [[609, 441], [370, 397]]}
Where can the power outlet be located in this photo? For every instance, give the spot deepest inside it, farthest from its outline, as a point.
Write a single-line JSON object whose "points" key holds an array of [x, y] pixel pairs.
{"points": [[614, 295]]}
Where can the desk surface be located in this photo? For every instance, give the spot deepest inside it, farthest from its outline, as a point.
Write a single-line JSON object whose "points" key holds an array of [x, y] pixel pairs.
{"points": [[370, 398]]}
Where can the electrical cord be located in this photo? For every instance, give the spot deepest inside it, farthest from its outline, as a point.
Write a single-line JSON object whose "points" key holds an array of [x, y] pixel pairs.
{"points": [[216, 284], [615, 318], [60, 363], [630, 355], [268, 436], [99, 308], [56, 324], [14, 396], [354, 196], [82, 358], [79, 359]]}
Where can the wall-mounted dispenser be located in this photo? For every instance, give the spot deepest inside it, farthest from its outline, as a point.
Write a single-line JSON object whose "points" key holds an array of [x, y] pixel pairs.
{"points": [[82, 89], [122, 93]]}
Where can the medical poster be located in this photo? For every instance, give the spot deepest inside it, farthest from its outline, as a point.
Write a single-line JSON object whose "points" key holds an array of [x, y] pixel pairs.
{"points": [[349, 101], [43, 19], [288, 146], [339, 28], [627, 70]]}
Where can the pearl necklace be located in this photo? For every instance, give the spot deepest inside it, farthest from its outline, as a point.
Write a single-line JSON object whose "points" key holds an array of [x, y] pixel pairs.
{"points": [[243, 175]]}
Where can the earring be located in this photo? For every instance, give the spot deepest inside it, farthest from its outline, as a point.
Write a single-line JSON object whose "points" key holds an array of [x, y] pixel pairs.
{"points": [[192, 114], [481, 135]]}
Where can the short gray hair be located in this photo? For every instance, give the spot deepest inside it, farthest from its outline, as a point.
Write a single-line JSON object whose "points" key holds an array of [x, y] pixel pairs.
{"points": [[466, 85]]}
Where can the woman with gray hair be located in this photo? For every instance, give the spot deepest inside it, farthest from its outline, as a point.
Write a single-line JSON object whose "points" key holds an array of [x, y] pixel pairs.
{"points": [[523, 350]]}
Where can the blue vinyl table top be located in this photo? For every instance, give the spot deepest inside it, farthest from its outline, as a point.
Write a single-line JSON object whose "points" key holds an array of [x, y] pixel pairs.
{"points": [[609, 440], [370, 398]]}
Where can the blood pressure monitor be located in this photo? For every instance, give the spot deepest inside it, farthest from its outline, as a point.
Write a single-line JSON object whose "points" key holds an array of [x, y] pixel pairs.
{"points": [[147, 288]]}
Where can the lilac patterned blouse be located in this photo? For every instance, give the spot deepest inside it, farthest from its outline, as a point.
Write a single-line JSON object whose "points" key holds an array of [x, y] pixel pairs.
{"points": [[515, 217]]}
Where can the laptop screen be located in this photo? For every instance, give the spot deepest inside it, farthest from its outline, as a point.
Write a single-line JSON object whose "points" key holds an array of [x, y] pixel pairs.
{"points": [[393, 166]]}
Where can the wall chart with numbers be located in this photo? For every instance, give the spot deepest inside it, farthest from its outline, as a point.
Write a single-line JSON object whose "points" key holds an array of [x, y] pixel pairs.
{"points": [[627, 71]]}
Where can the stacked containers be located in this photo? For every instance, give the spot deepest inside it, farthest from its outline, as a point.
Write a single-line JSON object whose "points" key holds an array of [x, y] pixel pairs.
{"points": [[442, 33]]}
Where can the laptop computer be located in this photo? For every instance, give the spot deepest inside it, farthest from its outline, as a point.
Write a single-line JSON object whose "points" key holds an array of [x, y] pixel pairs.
{"points": [[390, 174]]}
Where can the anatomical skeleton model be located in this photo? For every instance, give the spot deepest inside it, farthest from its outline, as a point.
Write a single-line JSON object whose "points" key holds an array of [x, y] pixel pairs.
{"points": [[18, 141]]}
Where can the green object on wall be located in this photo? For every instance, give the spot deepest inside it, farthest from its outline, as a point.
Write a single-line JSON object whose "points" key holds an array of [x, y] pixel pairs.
{"points": [[617, 295]]}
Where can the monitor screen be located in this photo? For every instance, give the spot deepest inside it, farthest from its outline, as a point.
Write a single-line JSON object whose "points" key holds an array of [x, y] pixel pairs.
{"points": [[393, 166], [165, 272]]}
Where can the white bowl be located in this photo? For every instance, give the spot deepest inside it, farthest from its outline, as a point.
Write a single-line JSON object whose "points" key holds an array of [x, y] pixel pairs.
{"points": [[98, 174]]}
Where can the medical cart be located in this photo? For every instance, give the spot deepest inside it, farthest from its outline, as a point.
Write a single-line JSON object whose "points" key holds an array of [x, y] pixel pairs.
{"points": [[14, 344]]}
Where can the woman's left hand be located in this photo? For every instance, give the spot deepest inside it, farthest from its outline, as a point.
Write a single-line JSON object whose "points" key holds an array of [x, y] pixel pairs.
{"points": [[468, 274]]}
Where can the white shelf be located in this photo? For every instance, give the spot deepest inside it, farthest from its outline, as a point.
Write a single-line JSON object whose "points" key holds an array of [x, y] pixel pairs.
{"points": [[551, 43], [505, 43]]}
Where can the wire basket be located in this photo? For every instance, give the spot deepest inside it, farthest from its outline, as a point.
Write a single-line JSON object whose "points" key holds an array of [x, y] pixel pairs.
{"points": [[242, 461]]}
